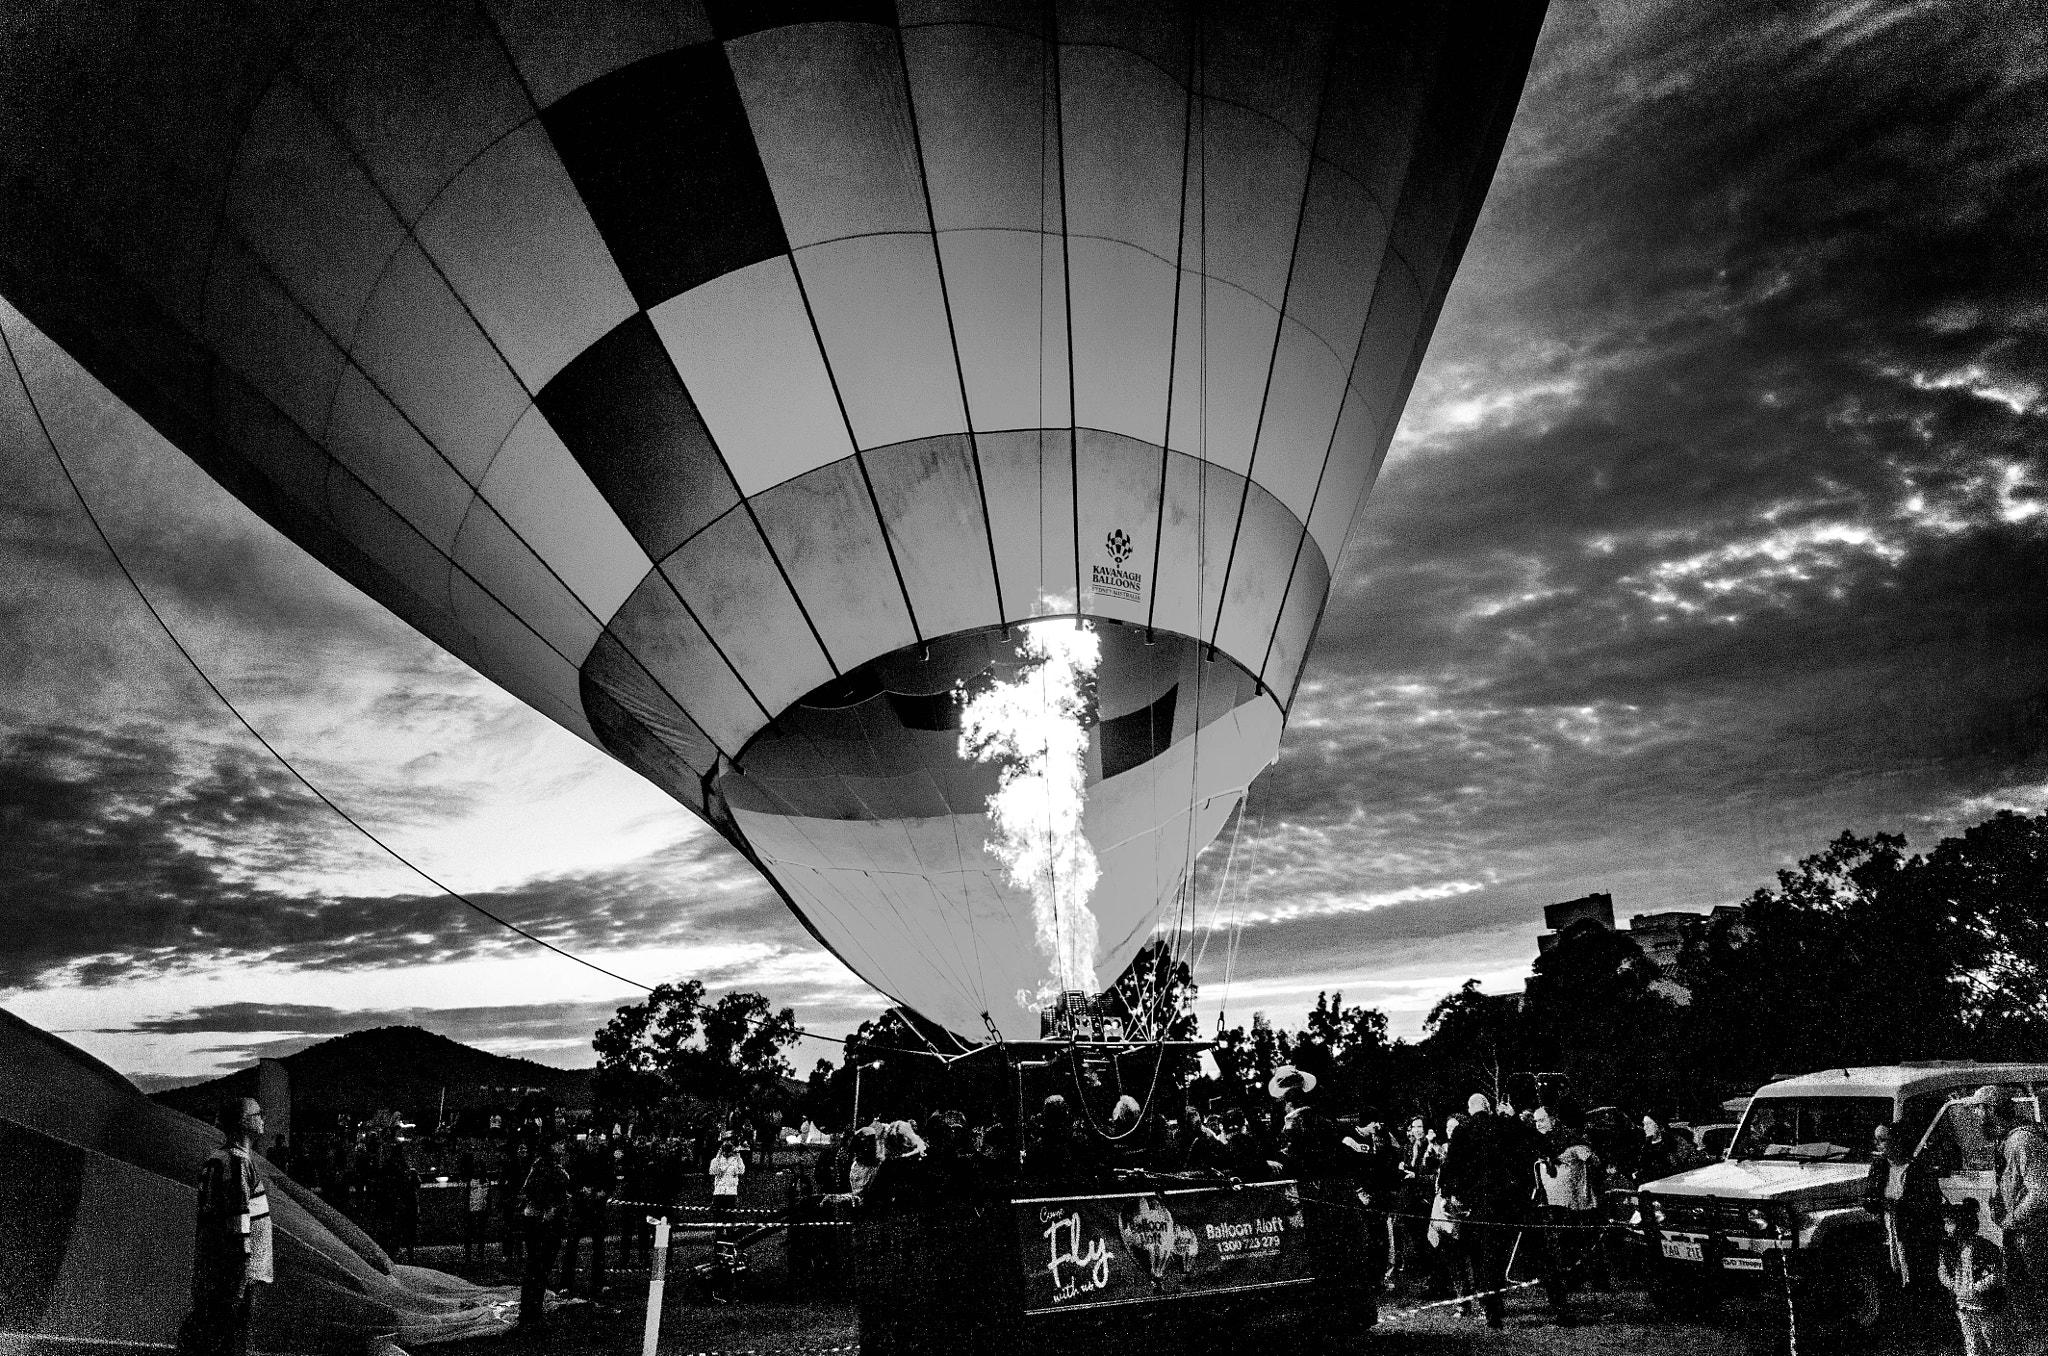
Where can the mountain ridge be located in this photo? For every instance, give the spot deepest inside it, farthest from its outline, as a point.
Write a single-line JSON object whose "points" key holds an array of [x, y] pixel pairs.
{"points": [[406, 1069]]}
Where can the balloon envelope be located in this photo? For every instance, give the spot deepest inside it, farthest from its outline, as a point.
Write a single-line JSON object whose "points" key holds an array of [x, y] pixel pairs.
{"points": [[732, 382]]}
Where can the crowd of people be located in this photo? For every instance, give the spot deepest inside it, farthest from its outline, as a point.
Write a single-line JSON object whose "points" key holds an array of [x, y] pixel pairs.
{"points": [[1450, 1203]]}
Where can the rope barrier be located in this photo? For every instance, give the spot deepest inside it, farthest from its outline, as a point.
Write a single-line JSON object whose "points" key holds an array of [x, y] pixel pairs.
{"points": [[1524, 1223], [1377, 1213], [729, 1209]]}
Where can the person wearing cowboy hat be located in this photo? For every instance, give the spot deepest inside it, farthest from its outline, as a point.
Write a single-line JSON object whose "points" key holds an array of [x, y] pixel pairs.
{"points": [[1290, 1086], [1309, 1145]]}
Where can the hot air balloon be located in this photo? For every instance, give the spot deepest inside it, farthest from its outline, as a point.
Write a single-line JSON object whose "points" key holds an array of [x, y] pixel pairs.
{"points": [[754, 388]]}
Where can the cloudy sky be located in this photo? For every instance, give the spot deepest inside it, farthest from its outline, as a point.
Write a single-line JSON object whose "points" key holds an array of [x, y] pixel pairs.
{"points": [[1715, 526]]}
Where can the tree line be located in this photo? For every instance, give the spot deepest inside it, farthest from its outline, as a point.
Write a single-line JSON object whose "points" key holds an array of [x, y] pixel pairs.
{"points": [[1861, 953]]}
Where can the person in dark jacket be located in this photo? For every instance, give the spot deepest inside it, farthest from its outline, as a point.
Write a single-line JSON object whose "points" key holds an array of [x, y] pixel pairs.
{"points": [[1489, 1172], [231, 1252], [544, 1214], [514, 1162], [401, 1190], [954, 1171], [1309, 1146], [1907, 1197], [1051, 1146], [591, 1186], [1375, 1174], [903, 1179], [1664, 1152]]}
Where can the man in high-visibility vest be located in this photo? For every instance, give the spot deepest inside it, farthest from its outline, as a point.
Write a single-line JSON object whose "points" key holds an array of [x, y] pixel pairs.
{"points": [[232, 1252]]}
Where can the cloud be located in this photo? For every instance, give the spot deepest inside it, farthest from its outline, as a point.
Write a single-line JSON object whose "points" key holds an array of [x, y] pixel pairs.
{"points": [[1713, 524], [129, 855], [1715, 492]]}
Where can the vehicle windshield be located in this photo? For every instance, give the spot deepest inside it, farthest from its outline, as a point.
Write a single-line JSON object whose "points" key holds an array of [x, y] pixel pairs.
{"points": [[1811, 1129]]}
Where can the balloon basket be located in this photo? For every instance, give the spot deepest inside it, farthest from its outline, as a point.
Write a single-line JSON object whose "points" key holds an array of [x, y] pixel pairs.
{"points": [[1160, 1265]]}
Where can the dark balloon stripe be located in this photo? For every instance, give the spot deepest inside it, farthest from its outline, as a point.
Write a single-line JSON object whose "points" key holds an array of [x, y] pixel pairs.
{"points": [[1134, 740], [664, 158], [624, 413]]}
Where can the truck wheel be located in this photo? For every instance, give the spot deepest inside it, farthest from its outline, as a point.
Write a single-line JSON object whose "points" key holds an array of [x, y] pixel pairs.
{"points": [[1679, 1296], [1856, 1294]]}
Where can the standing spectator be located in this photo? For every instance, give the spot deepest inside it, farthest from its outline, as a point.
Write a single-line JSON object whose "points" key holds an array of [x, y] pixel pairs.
{"points": [[232, 1251], [1309, 1144], [1972, 1269], [590, 1186], [1905, 1195], [1049, 1142], [903, 1180], [727, 1167], [800, 1200], [400, 1189], [955, 1171], [515, 1163], [1663, 1153], [1488, 1174], [1444, 1233], [1569, 1175], [1375, 1167], [2020, 1204], [1421, 1153], [865, 1159], [543, 1211], [476, 1205], [633, 1169], [364, 1200]]}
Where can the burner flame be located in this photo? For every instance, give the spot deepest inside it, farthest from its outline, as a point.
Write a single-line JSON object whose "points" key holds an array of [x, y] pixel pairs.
{"points": [[1036, 726]]}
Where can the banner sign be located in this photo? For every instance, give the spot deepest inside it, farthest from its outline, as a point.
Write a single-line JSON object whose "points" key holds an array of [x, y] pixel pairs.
{"points": [[1089, 1252]]}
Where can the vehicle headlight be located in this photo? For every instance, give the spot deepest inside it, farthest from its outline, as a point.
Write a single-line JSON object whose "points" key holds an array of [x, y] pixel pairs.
{"points": [[1768, 1222]]}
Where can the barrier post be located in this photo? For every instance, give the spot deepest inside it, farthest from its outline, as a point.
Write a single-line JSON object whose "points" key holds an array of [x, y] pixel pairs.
{"points": [[652, 1333]]}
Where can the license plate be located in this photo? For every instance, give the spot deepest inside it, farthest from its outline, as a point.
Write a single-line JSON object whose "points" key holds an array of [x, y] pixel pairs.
{"points": [[1743, 1263], [1684, 1250]]}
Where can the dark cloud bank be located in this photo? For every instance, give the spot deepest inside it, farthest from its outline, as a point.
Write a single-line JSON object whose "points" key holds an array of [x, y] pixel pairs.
{"points": [[1716, 525], [125, 858]]}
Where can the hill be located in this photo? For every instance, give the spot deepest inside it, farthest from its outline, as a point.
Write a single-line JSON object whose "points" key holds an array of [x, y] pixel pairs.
{"points": [[399, 1068]]}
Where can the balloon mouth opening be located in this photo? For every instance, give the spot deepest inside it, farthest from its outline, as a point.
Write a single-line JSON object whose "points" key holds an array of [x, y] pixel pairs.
{"points": [[882, 741]]}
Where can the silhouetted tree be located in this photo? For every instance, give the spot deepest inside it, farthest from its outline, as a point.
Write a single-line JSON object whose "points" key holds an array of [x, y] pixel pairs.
{"points": [[1593, 1012], [1348, 1048], [674, 1046], [1475, 1040]]}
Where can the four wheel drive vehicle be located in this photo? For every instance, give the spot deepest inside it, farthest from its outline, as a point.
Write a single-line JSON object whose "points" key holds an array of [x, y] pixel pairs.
{"points": [[1790, 1190]]}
